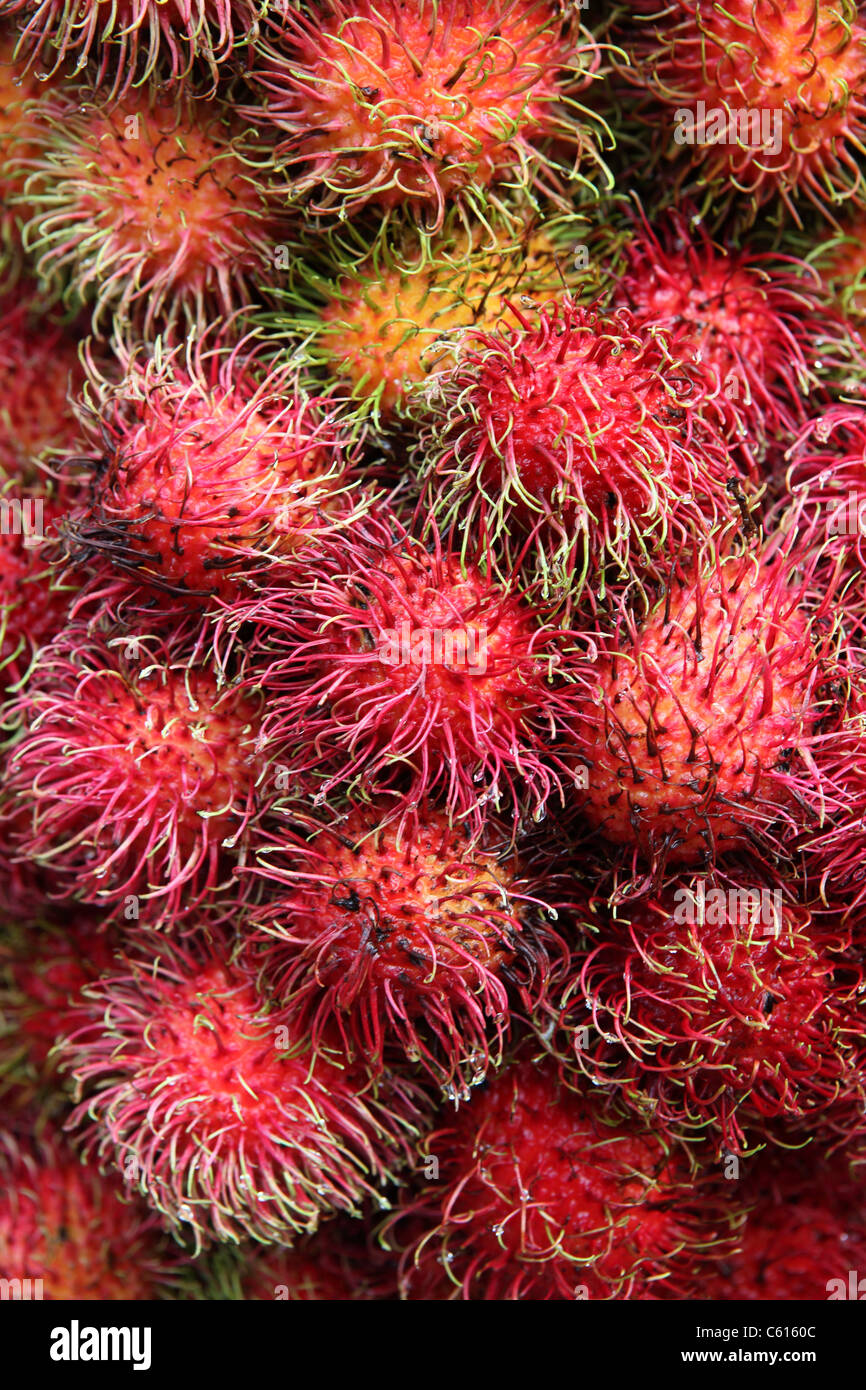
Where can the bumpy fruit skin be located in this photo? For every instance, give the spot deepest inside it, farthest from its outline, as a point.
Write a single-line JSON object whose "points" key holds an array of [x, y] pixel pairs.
{"points": [[40, 377], [153, 211], [405, 930], [803, 1236], [397, 101], [699, 723], [827, 483], [577, 439], [209, 463], [76, 1229], [751, 322], [43, 970], [217, 1108], [718, 1012], [394, 667], [139, 775], [543, 1195], [34, 604], [125, 43], [799, 68]]}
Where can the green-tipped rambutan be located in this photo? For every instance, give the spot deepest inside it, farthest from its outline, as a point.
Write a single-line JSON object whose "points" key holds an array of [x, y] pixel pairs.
{"points": [[580, 438], [126, 43], [768, 100], [391, 666], [140, 776], [405, 929], [408, 101], [722, 1011], [218, 1108], [74, 1230], [545, 1194], [151, 211], [207, 464]]}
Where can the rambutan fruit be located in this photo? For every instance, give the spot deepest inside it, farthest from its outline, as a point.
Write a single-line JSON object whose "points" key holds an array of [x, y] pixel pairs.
{"points": [[545, 1194], [751, 321], [827, 505], [34, 605], [130, 42], [407, 101], [405, 929], [140, 775], [338, 1264], [388, 318], [841, 264], [217, 1106], [20, 93], [207, 463], [769, 99], [74, 1229], [40, 377], [581, 438], [803, 1238], [43, 969], [155, 212], [723, 1013], [700, 724], [394, 667]]}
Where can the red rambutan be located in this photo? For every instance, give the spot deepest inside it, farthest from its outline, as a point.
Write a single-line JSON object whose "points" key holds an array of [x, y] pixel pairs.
{"points": [[153, 211], [209, 462], [139, 775], [542, 1194], [404, 929], [769, 98], [579, 436], [723, 1010], [414, 101], [74, 1230], [700, 723], [40, 377], [33, 606], [218, 1108], [394, 667], [129, 42]]}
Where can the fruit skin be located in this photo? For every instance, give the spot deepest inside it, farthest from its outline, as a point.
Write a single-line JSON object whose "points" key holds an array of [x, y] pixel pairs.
{"points": [[139, 773], [545, 1194], [153, 211], [207, 463], [40, 378], [578, 440], [393, 668], [801, 65], [34, 602], [76, 1229], [43, 969], [699, 726], [421, 104], [406, 931], [803, 1235], [730, 1019], [216, 1106], [751, 321], [134, 42]]}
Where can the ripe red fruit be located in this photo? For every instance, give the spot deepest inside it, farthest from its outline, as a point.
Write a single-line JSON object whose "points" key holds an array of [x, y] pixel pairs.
{"points": [[721, 1012], [425, 102], [40, 377], [131, 42], [393, 667], [543, 1194], [42, 973], [827, 480], [699, 726], [154, 212], [217, 1107], [34, 604], [139, 775], [74, 1229], [209, 463], [782, 87], [804, 1236], [580, 437], [750, 321], [405, 929]]}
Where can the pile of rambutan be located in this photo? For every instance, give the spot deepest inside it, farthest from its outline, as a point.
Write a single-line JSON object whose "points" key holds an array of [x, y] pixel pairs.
{"points": [[432, 649]]}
